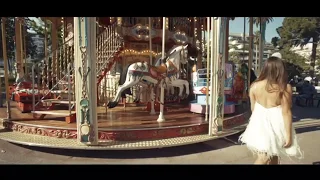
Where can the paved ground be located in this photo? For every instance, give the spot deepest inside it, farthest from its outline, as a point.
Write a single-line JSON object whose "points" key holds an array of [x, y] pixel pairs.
{"points": [[213, 152]]}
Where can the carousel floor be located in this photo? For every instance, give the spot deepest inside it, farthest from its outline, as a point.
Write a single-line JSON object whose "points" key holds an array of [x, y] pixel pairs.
{"points": [[120, 124], [117, 118]]}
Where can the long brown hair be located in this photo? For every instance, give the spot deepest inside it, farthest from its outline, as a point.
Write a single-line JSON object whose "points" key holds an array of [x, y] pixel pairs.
{"points": [[275, 73]]}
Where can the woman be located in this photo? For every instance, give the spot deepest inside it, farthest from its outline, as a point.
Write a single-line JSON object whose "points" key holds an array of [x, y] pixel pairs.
{"points": [[270, 131]]}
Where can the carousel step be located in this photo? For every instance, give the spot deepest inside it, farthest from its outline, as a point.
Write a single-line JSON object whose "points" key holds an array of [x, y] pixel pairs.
{"points": [[58, 101], [55, 112], [60, 91]]}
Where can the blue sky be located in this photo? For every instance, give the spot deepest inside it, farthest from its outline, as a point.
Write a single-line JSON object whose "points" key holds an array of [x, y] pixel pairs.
{"points": [[236, 26]]}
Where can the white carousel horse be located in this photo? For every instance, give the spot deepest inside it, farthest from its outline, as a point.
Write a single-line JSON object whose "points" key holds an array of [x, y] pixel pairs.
{"points": [[163, 75], [142, 86]]}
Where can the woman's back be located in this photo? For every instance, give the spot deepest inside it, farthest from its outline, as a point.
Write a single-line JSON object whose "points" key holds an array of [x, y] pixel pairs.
{"points": [[263, 97]]}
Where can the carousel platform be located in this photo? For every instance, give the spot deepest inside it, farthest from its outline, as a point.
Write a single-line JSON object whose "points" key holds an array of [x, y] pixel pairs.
{"points": [[51, 142], [119, 128]]}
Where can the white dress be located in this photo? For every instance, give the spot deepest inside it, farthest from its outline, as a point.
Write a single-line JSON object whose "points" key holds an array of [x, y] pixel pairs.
{"points": [[266, 134]]}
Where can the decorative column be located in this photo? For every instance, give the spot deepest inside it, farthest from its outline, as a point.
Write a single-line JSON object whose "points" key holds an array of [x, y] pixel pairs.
{"points": [[217, 74], [85, 79], [5, 60], [18, 40], [208, 59], [213, 68], [250, 49]]}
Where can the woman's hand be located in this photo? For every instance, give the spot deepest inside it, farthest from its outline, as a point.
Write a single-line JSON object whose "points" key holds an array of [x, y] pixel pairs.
{"points": [[288, 142]]}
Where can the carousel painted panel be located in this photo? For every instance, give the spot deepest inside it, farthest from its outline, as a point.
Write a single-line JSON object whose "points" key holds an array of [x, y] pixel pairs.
{"points": [[141, 33], [199, 82]]}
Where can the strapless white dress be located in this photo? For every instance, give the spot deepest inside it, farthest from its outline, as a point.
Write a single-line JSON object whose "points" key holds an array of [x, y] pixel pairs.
{"points": [[266, 134]]}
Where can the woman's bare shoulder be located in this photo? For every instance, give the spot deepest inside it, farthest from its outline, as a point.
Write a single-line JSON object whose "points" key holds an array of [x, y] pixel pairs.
{"points": [[254, 85]]}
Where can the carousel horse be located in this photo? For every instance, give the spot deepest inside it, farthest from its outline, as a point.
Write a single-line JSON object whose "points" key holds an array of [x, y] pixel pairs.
{"points": [[164, 75], [170, 89]]}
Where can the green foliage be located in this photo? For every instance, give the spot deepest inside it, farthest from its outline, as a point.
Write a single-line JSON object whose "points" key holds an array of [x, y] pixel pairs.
{"points": [[317, 63], [258, 20], [10, 34], [275, 41], [39, 28], [294, 58], [297, 31], [256, 37]]}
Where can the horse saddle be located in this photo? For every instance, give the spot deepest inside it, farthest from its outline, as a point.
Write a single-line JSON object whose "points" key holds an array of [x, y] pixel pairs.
{"points": [[158, 70]]}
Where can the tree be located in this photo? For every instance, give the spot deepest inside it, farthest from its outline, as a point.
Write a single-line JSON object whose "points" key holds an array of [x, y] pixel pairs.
{"points": [[275, 41], [317, 63], [294, 58], [39, 28], [258, 20], [299, 31], [10, 32]]}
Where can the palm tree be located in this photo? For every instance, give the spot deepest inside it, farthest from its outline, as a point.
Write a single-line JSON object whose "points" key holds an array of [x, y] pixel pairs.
{"points": [[258, 20], [258, 35], [256, 40]]}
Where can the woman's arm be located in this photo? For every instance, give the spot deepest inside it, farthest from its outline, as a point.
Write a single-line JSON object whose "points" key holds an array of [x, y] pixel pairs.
{"points": [[286, 102], [252, 97]]}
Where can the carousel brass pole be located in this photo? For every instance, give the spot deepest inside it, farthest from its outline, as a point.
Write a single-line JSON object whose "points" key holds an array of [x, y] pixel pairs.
{"points": [[161, 116], [244, 38], [5, 59], [150, 40], [152, 96], [226, 46], [207, 115], [261, 45], [250, 48], [212, 102]]}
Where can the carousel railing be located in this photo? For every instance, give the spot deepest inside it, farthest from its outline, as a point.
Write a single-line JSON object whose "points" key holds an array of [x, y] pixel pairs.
{"points": [[57, 68], [51, 70]]}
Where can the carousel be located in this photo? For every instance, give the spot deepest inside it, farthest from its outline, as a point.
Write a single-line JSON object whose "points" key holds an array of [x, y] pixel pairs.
{"points": [[125, 83]]}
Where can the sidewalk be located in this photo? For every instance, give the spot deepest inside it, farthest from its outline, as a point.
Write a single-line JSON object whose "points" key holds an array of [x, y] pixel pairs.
{"points": [[213, 152]]}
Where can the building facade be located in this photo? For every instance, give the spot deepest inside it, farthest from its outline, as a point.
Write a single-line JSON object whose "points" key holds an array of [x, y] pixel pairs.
{"points": [[240, 47], [305, 51]]}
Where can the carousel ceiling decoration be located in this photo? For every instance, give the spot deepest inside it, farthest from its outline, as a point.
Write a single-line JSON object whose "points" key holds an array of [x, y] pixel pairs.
{"points": [[141, 32], [180, 37], [132, 52], [181, 21]]}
